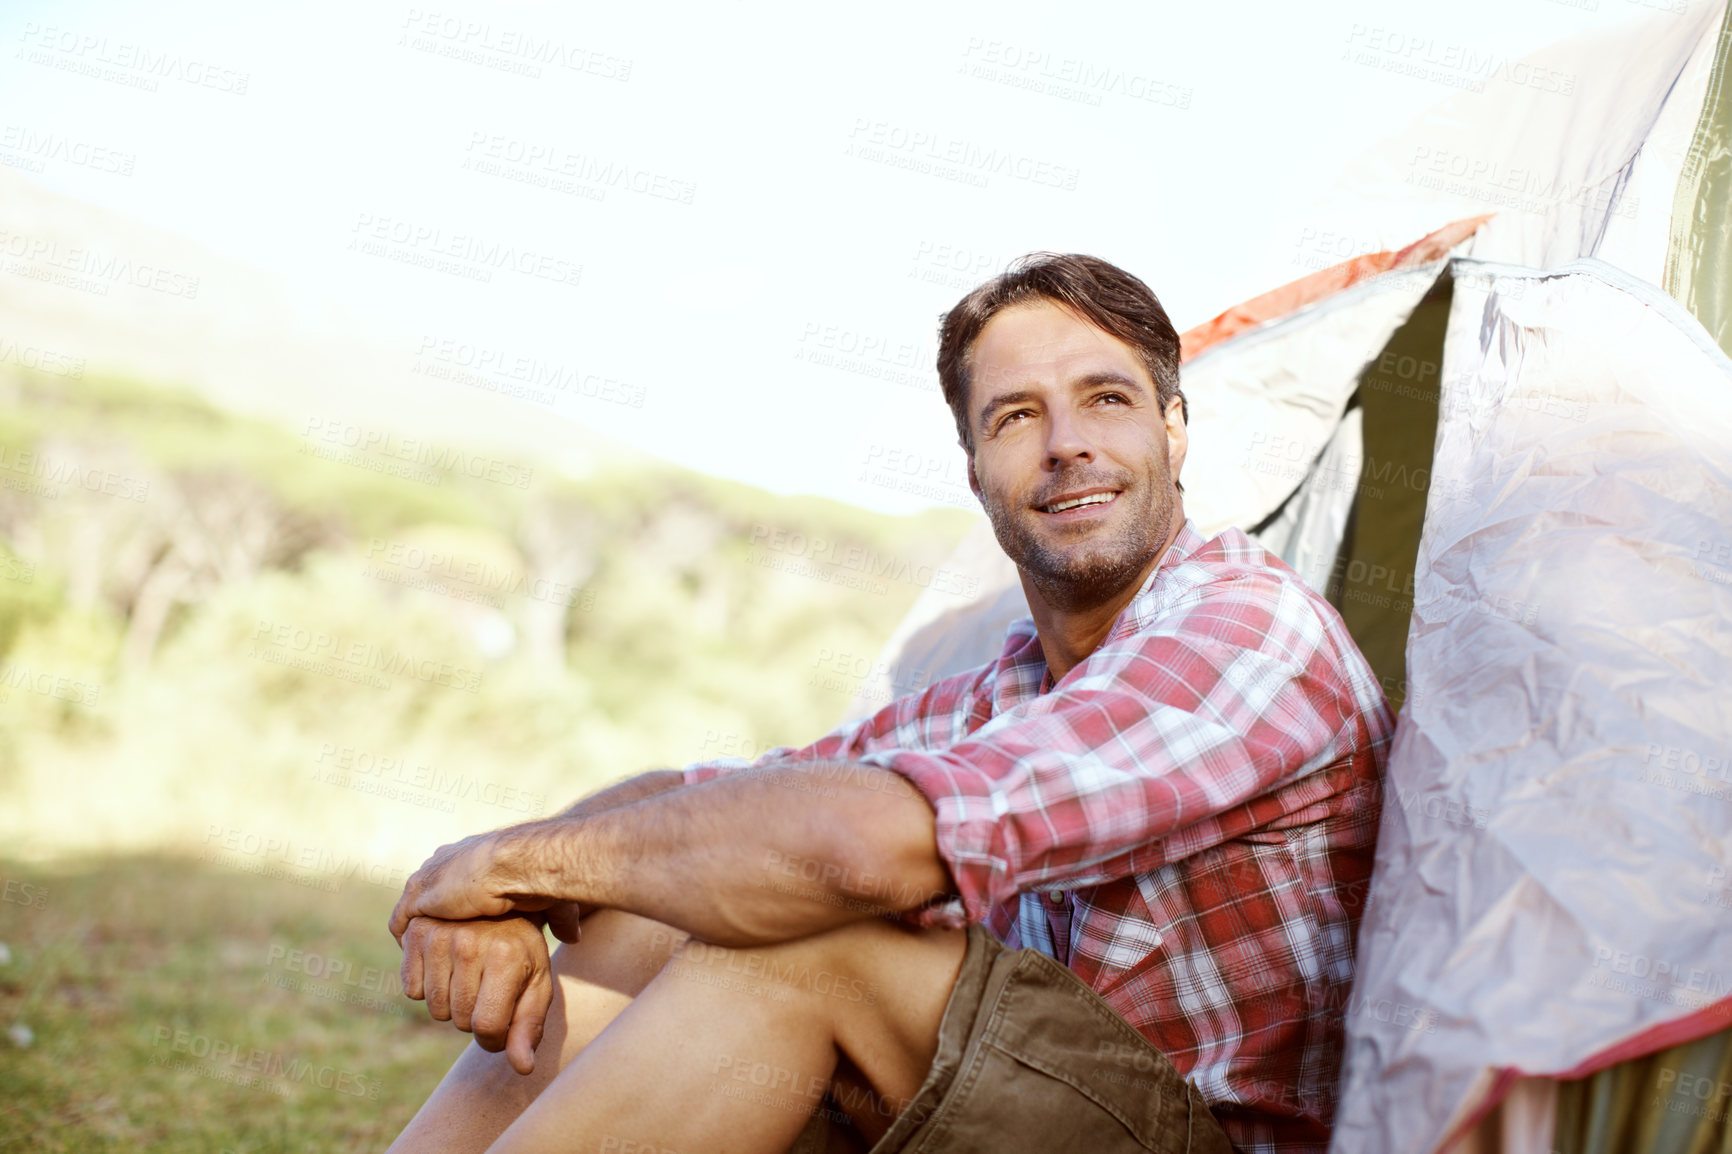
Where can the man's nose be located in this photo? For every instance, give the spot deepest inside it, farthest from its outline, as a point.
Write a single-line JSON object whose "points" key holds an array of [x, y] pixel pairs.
{"points": [[1067, 442]]}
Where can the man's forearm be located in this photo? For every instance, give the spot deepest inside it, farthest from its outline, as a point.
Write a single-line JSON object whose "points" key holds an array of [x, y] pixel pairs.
{"points": [[757, 856]]}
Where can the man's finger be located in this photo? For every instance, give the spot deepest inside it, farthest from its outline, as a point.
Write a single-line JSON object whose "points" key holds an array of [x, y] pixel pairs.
{"points": [[453, 901], [406, 909], [563, 920], [436, 975], [400, 916], [465, 977], [412, 968], [528, 1022], [501, 985]]}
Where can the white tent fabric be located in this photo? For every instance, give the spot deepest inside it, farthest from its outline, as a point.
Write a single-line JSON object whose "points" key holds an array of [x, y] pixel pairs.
{"points": [[1547, 361], [1556, 806], [1585, 172]]}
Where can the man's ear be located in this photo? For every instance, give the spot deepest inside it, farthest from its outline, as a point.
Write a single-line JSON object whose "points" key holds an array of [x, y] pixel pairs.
{"points": [[1178, 436]]}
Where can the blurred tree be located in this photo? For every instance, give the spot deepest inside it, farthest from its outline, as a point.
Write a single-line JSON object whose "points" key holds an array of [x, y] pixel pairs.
{"points": [[208, 528], [559, 538]]}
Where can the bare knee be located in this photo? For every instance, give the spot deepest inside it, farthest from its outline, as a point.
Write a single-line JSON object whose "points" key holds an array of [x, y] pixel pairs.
{"points": [[868, 979], [853, 963], [618, 951], [877, 988]]}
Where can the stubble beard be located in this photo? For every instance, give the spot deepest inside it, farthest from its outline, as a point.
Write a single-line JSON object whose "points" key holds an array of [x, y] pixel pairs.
{"points": [[1081, 576]]}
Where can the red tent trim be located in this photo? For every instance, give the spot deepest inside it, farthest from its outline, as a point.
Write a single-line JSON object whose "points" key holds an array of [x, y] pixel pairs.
{"points": [[1307, 290], [1708, 1020]]}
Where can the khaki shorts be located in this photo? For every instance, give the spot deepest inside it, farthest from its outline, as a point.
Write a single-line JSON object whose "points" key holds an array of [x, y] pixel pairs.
{"points": [[1032, 1060]]}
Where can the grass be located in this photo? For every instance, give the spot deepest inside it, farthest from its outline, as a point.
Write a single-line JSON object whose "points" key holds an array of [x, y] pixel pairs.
{"points": [[177, 1007]]}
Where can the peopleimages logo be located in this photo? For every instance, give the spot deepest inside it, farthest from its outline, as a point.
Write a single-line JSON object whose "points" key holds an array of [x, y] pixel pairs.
{"points": [[360, 655], [50, 361], [400, 778], [337, 971], [866, 562], [47, 683], [466, 254], [510, 49], [309, 864], [483, 367], [494, 154], [138, 66], [935, 153], [250, 1066], [62, 471], [347, 443], [46, 146], [1663, 979], [471, 578], [1066, 77]]}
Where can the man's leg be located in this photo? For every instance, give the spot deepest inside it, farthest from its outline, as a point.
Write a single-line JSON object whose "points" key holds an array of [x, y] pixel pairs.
{"points": [[729, 1050], [592, 982], [900, 978]]}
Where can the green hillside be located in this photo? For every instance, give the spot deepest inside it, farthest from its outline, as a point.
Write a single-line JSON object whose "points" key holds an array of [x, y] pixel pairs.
{"points": [[218, 634]]}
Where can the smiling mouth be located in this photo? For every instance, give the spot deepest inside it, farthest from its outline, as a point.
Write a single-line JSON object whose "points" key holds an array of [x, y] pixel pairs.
{"points": [[1082, 502]]}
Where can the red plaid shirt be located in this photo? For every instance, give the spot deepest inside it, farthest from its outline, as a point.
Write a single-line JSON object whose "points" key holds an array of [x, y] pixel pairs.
{"points": [[1186, 820]]}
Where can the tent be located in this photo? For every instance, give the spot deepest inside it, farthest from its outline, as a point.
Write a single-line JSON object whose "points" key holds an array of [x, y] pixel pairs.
{"points": [[1500, 441]]}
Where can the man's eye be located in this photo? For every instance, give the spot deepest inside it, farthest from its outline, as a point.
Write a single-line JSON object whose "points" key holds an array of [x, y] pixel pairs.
{"points": [[1011, 416], [1119, 397]]}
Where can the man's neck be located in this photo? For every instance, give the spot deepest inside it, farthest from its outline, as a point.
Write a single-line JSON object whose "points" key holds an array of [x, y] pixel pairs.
{"points": [[1068, 635]]}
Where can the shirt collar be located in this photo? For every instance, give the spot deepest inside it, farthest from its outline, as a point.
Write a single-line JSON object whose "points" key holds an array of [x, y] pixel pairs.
{"points": [[1147, 602], [1022, 671]]}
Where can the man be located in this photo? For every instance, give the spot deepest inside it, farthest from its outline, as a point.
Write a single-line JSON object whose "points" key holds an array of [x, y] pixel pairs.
{"points": [[1160, 800]]}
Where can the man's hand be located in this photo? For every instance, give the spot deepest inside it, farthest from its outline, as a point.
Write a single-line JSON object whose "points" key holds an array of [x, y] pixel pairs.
{"points": [[489, 977], [477, 877]]}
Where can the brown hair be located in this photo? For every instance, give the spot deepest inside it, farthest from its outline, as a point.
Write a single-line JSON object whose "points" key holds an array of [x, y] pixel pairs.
{"points": [[1103, 294]]}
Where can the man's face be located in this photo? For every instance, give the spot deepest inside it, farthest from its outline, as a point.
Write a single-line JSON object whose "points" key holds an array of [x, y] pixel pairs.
{"points": [[1074, 458]]}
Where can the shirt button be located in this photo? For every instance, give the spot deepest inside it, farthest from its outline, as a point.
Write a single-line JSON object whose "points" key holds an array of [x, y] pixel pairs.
{"points": [[1056, 897]]}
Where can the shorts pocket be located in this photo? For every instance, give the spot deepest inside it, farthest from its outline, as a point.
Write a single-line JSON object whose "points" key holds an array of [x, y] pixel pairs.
{"points": [[1004, 1105], [1051, 1066]]}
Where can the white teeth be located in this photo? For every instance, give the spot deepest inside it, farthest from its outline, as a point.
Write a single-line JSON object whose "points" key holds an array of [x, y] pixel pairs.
{"points": [[1093, 499]]}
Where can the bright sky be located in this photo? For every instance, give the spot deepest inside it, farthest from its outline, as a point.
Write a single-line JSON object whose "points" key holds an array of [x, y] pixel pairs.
{"points": [[764, 210]]}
